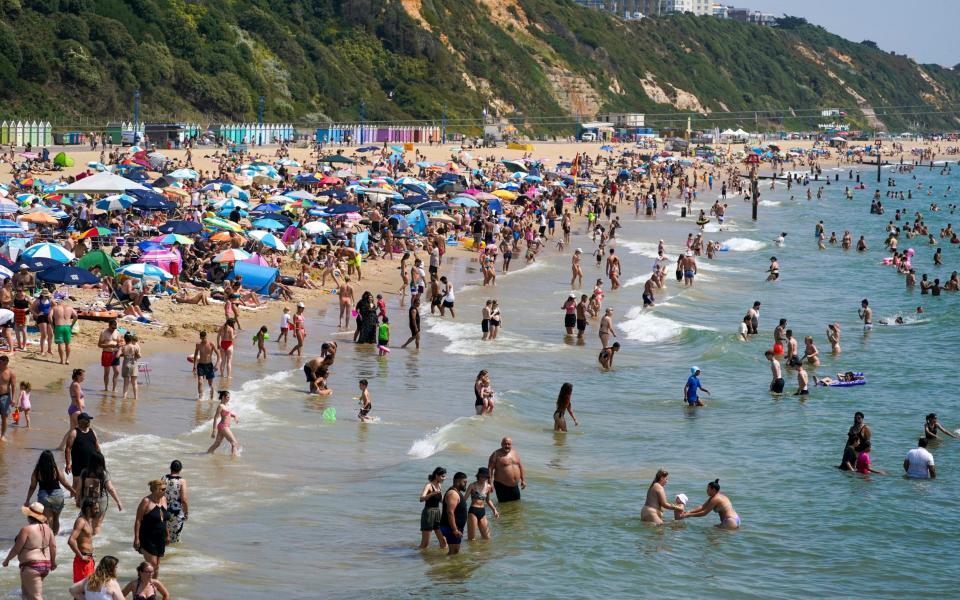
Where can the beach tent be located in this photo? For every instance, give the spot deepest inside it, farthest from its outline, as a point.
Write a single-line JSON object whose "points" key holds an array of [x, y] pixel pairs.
{"points": [[361, 242], [102, 183], [99, 258], [62, 160], [255, 277], [162, 258]]}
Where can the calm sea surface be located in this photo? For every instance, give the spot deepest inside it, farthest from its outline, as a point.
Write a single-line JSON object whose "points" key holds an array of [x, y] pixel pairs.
{"points": [[315, 509]]}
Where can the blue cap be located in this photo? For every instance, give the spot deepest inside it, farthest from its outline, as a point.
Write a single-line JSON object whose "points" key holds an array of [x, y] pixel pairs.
{"points": [[693, 370]]}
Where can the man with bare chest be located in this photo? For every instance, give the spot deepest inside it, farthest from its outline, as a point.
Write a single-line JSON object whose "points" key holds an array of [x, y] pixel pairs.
{"points": [[506, 471]]}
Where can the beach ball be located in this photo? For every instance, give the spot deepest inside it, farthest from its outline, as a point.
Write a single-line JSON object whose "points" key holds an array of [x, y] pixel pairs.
{"points": [[330, 415]]}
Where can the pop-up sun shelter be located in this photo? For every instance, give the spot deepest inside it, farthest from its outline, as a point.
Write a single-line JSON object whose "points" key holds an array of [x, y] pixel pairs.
{"points": [[255, 277]]}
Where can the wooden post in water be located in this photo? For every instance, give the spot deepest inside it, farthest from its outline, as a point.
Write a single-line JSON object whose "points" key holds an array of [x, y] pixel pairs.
{"points": [[755, 191]]}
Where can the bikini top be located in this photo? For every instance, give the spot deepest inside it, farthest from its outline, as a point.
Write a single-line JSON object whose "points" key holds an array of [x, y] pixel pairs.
{"points": [[475, 495], [138, 596]]}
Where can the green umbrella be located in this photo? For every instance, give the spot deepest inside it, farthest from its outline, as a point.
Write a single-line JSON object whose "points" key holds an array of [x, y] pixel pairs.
{"points": [[218, 223]]}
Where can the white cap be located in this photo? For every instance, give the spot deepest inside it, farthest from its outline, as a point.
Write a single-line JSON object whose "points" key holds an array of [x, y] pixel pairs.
{"points": [[572, 295], [301, 305], [681, 499], [579, 250]]}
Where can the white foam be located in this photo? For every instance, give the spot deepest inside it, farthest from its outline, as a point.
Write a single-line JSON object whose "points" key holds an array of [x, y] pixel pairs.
{"points": [[644, 326], [437, 441], [743, 245], [466, 339], [638, 280], [769, 203], [648, 249]]}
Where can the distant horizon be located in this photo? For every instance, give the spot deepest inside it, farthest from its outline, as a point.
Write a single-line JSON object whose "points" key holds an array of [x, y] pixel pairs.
{"points": [[894, 26]]}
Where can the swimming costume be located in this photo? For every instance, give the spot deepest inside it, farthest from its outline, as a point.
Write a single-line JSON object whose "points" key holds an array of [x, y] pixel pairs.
{"points": [[581, 325], [5, 405], [364, 412], [570, 320], [479, 512], [62, 334], [109, 359], [448, 535], [309, 374], [506, 493], [688, 274], [485, 325], [647, 299], [83, 567], [777, 386], [205, 370], [42, 567], [226, 344]]}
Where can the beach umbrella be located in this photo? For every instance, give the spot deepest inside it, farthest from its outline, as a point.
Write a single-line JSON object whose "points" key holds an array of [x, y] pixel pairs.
{"points": [[505, 194], [5, 272], [303, 195], [230, 204], [116, 202], [338, 194], [144, 271], [288, 162], [400, 208], [27, 198], [268, 239], [267, 208], [181, 227], [316, 227], [379, 193], [515, 165], [432, 206], [336, 159], [225, 224], [149, 200], [48, 250], [231, 255], [68, 275], [221, 236], [169, 239], [447, 187], [95, 232], [269, 224], [466, 201], [183, 174], [37, 264], [8, 227], [8, 208], [342, 209]]}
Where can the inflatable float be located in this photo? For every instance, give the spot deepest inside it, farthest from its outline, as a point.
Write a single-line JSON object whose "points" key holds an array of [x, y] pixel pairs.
{"points": [[847, 383]]}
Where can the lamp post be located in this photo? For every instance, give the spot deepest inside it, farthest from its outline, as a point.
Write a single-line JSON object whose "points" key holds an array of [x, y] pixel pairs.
{"points": [[363, 110], [879, 142], [136, 116]]}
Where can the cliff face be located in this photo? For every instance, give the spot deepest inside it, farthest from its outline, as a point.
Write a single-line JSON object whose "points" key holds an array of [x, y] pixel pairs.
{"points": [[541, 62]]}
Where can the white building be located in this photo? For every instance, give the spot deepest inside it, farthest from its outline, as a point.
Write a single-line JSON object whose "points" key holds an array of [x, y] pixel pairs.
{"points": [[623, 120]]}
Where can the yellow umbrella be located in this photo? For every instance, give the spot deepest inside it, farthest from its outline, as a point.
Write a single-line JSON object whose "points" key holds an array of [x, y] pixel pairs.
{"points": [[505, 194], [40, 218]]}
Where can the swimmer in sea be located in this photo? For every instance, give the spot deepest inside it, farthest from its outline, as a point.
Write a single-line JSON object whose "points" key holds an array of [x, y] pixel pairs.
{"points": [[833, 336], [564, 405], [606, 356], [606, 327], [773, 269], [613, 270], [365, 404], [803, 388], [866, 315], [776, 381], [931, 427], [691, 388], [729, 519], [652, 511]]}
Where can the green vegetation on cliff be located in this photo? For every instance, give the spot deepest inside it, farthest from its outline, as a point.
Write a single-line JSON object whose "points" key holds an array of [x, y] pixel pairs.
{"points": [[415, 59]]}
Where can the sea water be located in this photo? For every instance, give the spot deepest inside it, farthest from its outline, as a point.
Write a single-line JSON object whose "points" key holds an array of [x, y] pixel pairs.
{"points": [[317, 509]]}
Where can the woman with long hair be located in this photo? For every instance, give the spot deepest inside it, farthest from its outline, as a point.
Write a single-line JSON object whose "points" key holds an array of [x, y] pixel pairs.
{"points": [[652, 511], [102, 585], [564, 405], [145, 587], [178, 505], [431, 516], [94, 483], [49, 478], [150, 525], [483, 394]]}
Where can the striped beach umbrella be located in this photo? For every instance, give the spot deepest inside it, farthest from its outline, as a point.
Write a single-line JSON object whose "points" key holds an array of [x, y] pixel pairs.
{"points": [[96, 232], [225, 224], [144, 271], [269, 240], [48, 250], [170, 239], [231, 255], [116, 202]]}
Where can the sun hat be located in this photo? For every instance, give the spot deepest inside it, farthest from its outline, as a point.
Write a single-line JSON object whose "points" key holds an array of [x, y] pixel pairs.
{"points": [[34, 511], [694, 369]]}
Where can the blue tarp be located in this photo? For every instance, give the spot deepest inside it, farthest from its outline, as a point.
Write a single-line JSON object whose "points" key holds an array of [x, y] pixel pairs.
{"points": [[361, 242], [255, 277]]}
